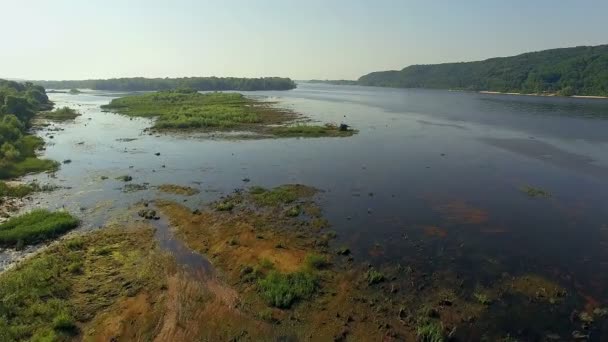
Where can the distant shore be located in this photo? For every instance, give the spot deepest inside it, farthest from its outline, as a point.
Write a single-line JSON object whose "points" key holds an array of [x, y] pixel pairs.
{"points": [[545, 95]]}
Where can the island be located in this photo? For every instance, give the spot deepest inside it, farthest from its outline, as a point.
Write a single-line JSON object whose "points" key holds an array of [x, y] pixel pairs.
{"points": [[154, 84], [188, 110]]}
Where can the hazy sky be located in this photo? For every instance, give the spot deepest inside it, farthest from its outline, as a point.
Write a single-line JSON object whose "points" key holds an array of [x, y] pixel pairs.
{"points": [[327, 39]]}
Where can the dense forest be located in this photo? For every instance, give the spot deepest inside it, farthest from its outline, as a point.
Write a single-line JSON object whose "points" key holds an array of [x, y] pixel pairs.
{"points": [[335, 82], [19, 102], [153, 84], [570, 71]]}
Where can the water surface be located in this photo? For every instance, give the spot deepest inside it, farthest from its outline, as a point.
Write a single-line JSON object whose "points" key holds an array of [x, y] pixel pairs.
{"points": [[432, 180]]}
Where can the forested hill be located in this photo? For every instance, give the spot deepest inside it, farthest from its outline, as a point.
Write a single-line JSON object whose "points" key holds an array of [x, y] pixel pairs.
{"points": [[570, 71], [198, 83]]}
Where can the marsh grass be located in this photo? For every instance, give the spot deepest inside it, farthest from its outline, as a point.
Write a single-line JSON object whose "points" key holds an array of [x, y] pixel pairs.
{"points": [[430, 331], [190, 110], [280, 195], [535, 192], [55, 294], [183, 110], [281, 290], [316, 261], [374, 277], [311, 131], [16, 191], [61, 114], [35, 226], [23, 190]]}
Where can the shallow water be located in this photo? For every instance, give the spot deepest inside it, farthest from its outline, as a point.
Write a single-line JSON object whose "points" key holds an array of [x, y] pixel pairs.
{"points": [[433, 179]]}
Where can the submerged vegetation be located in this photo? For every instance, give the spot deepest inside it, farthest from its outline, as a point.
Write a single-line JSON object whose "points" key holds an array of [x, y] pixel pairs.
{"points": [[36, 226], [178, 189], [535, 192], [312, 131], [18, 105], [198, 83], [186, 109]]}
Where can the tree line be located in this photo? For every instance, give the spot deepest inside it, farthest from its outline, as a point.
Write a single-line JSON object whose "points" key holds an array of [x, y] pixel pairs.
{"points": [[579, 70], [154, 84], [19, 102]]}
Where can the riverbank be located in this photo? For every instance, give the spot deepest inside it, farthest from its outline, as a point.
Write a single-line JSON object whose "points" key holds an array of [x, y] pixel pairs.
{"points": [[542, 95]]}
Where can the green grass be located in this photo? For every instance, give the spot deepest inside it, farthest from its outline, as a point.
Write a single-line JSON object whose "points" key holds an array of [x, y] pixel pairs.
{"points": [[535, 192], [55, 294], [61, 114], [182, 110], [17, 191], [22, 190], [36, 226], [311, 131], [280, 195], [282, 290], [430, 331], [482, 298], [27, 161], [374, 277], [316, 261]]}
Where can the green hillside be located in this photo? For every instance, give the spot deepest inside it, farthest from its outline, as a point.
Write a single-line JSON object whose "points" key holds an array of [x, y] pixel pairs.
{"points": [[580, 70]]}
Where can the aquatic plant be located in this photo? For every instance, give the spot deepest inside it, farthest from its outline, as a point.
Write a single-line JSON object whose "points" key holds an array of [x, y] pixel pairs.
{"points": [[316, 261], [36, 226], [280, 195], [430, 331], [178, 189], [224, 206], [293, 211], [311, 131], [535, 192], [373, 277], [61, 114], [482, 298], [282, 290]]}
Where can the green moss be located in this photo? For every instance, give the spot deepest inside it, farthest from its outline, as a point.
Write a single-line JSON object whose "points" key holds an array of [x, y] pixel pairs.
{"points": [[311, 131], [36, 226], [282, 290]]}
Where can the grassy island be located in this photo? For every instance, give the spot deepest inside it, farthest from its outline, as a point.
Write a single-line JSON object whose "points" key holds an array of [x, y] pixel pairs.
{"points": [[61, 114], [186, 109]]}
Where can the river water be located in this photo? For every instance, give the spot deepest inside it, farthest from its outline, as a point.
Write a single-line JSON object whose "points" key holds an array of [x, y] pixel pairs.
{"points": [[438, 168]]}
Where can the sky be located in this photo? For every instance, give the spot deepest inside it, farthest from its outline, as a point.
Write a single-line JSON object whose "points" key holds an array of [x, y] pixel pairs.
{"points": [[312, 39]]}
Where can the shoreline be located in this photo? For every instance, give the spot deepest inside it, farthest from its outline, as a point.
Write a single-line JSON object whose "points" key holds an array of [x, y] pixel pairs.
{"points": [[488, 92]]}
